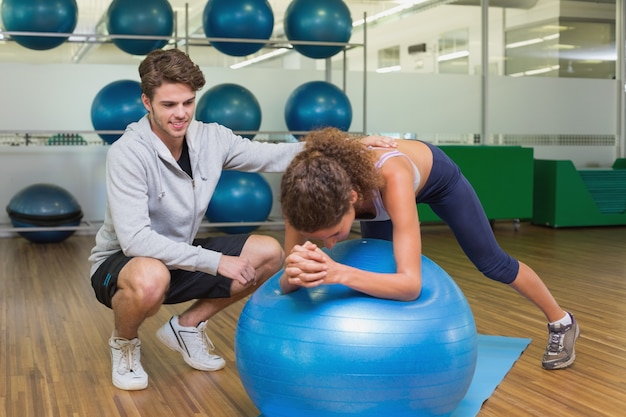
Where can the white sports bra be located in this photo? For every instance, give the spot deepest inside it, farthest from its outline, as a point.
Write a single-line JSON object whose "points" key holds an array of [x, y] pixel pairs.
{"points": [[381, 213]]}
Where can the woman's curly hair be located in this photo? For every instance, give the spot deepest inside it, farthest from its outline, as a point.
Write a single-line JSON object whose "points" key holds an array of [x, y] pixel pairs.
{"points": [[315, 188]]}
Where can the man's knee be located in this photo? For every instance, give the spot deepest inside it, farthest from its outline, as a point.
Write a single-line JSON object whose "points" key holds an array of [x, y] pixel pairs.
{"points": [[264, 252], [146, 280]]}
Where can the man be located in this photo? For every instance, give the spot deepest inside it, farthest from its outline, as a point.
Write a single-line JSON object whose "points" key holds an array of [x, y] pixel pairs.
{"points": [[160, 176]]}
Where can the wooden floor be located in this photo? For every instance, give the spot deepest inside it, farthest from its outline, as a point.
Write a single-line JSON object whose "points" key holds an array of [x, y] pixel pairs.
{"points": [[54, 358]]}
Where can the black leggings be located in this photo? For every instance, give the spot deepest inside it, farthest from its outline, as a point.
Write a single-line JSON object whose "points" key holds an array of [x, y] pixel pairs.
{"points": [[450, 195]]}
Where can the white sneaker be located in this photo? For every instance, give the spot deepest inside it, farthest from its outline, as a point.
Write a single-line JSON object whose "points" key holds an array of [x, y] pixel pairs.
{"points": [[127, 372], [192, 343]]}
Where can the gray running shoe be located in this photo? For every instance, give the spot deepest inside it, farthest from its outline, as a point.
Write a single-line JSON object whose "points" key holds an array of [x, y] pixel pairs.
{"points": [[560, 352]]}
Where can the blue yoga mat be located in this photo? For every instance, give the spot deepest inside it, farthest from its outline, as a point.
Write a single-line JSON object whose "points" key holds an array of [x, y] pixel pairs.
{"points": [[496, 357]]}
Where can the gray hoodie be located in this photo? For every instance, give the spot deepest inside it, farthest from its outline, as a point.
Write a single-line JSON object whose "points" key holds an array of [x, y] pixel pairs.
{"points": [[154, 208]]}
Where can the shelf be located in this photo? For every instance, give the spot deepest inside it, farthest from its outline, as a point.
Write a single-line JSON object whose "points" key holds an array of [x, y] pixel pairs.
{"points": [[94, 226], [87, 151], [92, 49], [173, 41]]}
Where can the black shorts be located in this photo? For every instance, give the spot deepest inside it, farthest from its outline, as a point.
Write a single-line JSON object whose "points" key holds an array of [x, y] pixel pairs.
{"points": [[184, 285]]}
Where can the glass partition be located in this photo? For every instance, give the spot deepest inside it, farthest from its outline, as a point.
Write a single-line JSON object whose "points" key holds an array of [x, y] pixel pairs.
{"points": [[541, 73]]}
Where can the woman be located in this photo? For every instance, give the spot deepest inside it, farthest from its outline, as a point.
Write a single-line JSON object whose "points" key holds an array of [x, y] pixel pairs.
{"points": [[335, 181]]}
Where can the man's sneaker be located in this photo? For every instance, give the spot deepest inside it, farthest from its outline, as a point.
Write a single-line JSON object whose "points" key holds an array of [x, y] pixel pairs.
{"points": [[192, 343], [560, 352], [127, 372]]}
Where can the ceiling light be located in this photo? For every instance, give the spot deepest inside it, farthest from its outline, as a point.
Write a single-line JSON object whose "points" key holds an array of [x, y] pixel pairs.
{"points": [[453, 55], [524, 43], [260, 58], [532, 41], [388, 12], [542, 70], [394, 68]]}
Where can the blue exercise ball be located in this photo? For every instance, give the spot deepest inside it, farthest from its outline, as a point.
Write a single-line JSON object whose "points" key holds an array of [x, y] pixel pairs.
{"points": [[53, 16], [318, 104], [240, 197], [230, 105], [115, 106], [318, 21], [331, 351], [243, 19], [44, 205], [140, 18]]}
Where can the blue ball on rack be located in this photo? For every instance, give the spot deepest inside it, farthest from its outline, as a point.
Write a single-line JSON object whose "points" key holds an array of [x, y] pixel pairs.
{"points": [[140, 18], [243, 19], [115, 106], [318, 21], [318, 104], [53, 16], [230, 105], [44, 205], [240, 197], [332, 351]]}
